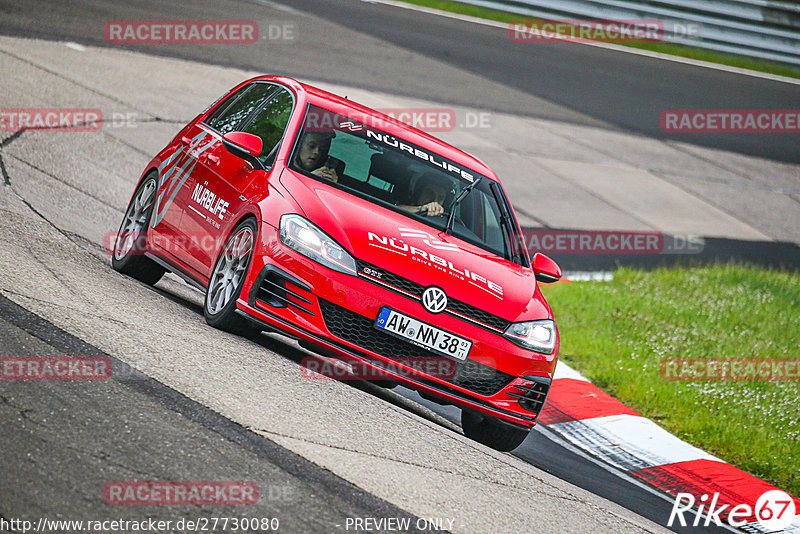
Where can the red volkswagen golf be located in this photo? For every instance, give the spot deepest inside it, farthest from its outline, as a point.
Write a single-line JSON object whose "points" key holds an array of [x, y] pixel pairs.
{"points": [[298, 211]]}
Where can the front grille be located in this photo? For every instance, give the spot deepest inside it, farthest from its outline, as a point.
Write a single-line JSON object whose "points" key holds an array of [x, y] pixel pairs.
{"points": [[532, 396], [475, 314], [360, 331], [392, 279], [479, 315]]}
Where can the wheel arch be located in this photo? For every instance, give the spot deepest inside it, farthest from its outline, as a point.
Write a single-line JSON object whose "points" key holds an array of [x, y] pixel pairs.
{"points": [[243, 217], [247, 214]]}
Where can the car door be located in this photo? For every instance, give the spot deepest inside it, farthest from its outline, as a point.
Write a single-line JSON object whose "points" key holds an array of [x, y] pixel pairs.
{"points": [[174, 173], [221, 190]]}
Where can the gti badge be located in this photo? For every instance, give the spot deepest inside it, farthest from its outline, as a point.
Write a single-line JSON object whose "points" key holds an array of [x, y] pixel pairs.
{"points": [[434, 299]]}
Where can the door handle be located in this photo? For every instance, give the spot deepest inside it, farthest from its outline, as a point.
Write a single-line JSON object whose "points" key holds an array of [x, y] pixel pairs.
{"points": [[186, 140], [212, 159]]}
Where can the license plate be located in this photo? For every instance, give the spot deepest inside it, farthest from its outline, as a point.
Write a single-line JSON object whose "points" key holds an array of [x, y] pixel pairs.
{"points": [[423, 334]]}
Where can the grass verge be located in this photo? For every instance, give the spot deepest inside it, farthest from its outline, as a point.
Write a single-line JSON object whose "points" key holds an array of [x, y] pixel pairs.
{"points": [[616, 333], [731, 60]]}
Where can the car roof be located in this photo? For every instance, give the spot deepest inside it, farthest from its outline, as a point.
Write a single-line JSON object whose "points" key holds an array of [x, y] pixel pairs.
{"points": [[332, 102]]}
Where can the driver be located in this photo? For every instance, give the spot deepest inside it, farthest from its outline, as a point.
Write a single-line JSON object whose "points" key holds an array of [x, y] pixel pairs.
{"points": [[429, 195], [313, 153]]}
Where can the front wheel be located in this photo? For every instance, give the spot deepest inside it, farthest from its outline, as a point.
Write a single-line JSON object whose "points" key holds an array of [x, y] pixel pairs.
{"points": [[227, 280], [492, 433]]}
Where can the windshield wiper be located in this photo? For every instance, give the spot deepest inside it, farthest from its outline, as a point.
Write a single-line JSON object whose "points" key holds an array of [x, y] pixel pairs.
{"points": [[505, 221], [461, 196]]}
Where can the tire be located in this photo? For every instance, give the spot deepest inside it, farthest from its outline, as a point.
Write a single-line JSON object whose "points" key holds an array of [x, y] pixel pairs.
{"points": [[492, 433], [227, 280], [385, 384], [131, 239]]}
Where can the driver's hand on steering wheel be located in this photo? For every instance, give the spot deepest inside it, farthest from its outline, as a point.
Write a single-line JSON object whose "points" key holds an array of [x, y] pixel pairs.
{"points": [[431, 209]]}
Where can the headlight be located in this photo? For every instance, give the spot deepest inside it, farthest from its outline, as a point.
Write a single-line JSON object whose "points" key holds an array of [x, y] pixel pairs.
{"points": [[299, 234], [534, 335]]}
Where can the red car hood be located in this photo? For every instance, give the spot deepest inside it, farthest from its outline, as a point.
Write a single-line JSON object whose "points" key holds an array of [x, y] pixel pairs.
{"points": [[419, 253]]}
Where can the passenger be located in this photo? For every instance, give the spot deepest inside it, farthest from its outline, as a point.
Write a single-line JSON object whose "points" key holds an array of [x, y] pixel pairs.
{"points": [[429, 195], [313, 155]]}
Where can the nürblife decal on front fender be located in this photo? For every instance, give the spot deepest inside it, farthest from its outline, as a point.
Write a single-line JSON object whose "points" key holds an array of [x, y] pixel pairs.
{"points": [[432, 260]]}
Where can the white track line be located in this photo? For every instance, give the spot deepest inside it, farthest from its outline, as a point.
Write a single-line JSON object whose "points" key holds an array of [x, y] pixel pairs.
{"points": [[608, 46], [565, 371], [629, 441]]}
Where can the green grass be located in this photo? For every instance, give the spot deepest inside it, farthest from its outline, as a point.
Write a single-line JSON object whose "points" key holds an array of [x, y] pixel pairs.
{"points": [[731, 60], [616, 333]]}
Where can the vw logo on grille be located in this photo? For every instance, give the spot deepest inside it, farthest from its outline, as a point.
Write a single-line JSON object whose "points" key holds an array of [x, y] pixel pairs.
{"points": [[434, 299]]}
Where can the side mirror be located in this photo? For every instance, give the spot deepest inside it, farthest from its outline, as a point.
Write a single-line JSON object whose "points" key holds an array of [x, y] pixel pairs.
{"points": [[545, 269], [244, 145]]}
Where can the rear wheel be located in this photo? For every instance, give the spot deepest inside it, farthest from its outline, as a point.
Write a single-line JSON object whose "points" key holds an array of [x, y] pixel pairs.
{"points": [[492, 433], [131, 240], [227, 280]]}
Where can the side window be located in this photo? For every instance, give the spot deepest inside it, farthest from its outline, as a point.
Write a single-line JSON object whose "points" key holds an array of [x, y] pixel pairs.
{"points": [[270, 123], [226, 117]]}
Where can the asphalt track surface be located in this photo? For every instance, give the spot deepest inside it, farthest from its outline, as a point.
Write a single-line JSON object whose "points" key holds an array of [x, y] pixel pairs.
{"points": [[563, 81], [543, 450], [170, 444], [70, 439]]}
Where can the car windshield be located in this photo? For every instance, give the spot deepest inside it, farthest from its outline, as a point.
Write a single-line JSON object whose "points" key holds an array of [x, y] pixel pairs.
{"points": [[394, 173]]}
